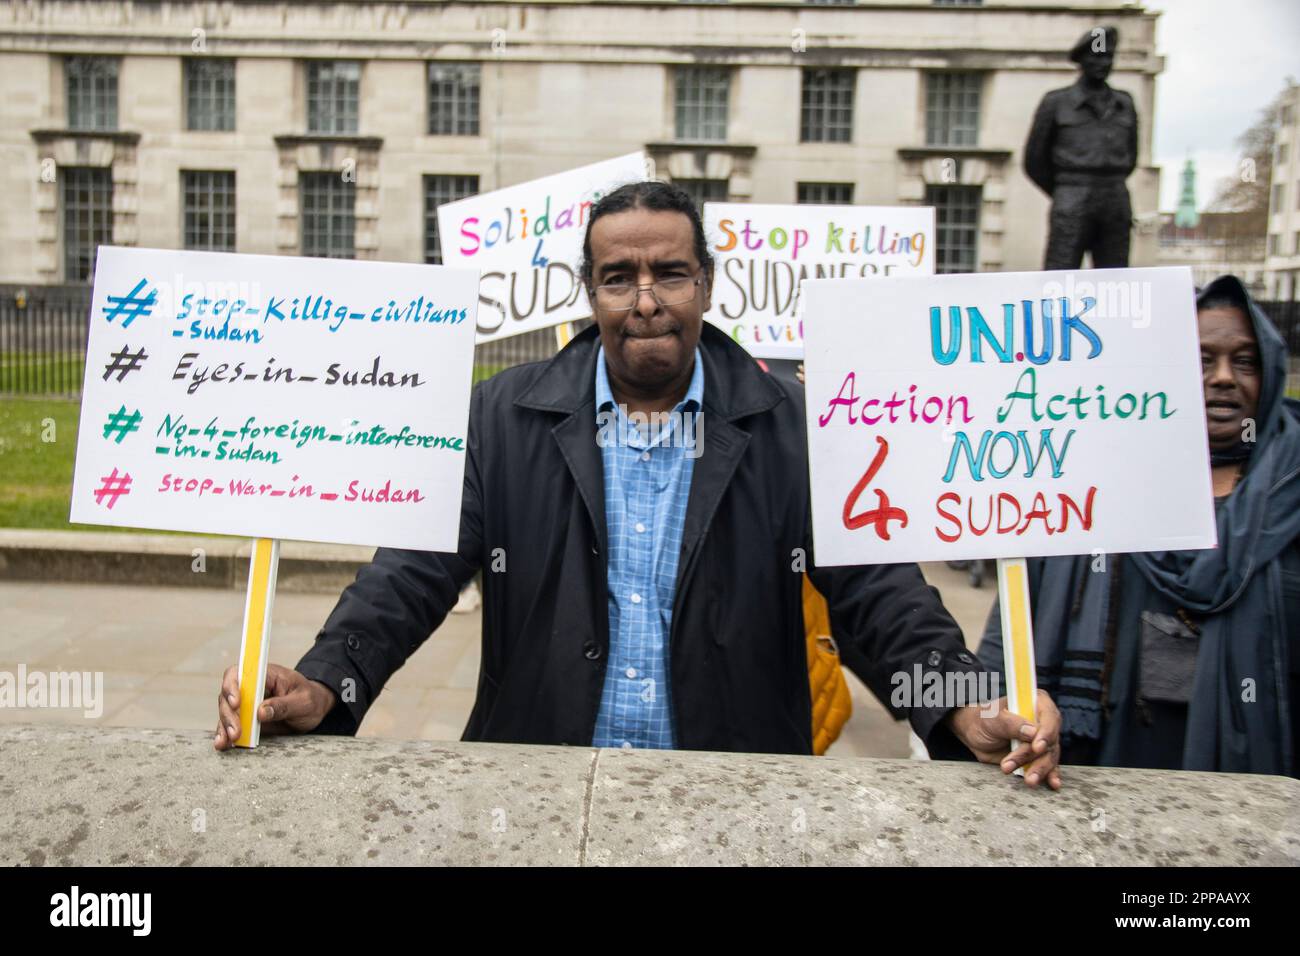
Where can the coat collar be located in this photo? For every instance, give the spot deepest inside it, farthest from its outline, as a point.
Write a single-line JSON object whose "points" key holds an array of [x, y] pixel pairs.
{"points": [[735, 386], [693, 400]]}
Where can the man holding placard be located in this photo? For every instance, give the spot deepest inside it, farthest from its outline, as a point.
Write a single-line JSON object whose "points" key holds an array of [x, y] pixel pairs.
{"points": [[640, 507]]}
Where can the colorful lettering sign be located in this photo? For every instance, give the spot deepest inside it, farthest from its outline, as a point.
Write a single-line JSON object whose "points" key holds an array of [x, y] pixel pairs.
{"points": [[527, 242], [1006, 415], [276, 397], [763, 252]]}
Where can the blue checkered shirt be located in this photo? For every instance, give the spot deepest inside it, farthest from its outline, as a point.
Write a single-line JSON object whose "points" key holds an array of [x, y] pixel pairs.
{"points": [[647, 482]]}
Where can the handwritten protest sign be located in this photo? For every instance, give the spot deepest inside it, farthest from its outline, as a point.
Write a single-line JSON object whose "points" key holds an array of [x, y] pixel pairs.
{"points": [[527, 242], [311, 399], [1006, 415], [763, 251]]}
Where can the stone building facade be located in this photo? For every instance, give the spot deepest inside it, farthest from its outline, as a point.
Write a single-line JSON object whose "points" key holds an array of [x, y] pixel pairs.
{"points": [[336, 128]]}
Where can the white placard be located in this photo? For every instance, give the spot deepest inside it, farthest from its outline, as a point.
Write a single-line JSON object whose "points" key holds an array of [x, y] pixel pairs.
{"points": [[1093, 441], [761, 252], [276, 397], [527, 242]]}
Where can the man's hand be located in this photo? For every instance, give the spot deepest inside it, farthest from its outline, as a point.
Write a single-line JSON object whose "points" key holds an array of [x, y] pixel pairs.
{"points": [[291, 704], [990, 737]]}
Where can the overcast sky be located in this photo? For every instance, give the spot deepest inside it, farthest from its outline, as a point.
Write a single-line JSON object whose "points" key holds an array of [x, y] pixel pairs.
{"points": [[1225, 60]]}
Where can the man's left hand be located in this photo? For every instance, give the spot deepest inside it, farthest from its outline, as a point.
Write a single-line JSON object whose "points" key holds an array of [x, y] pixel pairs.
{"points": [[991, 734]]}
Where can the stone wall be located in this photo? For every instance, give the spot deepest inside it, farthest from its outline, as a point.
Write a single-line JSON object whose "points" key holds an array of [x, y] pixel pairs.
{"points": [[85, 796]]}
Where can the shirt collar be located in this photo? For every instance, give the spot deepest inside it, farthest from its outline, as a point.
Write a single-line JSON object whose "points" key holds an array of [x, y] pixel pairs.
{"points": [[1102, 98], [694, 391]]}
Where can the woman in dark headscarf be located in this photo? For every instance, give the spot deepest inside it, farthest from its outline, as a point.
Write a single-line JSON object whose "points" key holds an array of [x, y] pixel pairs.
{"points": [[1190, 659]]}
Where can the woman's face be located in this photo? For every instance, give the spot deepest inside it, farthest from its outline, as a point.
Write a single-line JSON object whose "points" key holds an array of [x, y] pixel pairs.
{"points": [[1230, 369]]}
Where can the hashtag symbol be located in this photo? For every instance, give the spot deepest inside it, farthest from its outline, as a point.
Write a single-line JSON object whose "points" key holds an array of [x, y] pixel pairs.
{"points": [[122, 423], [124, 362], [132, 305], [114, 485]]}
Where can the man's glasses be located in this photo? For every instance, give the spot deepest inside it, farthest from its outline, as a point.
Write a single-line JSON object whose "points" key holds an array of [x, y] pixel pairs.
{"points": [[621, 296]]}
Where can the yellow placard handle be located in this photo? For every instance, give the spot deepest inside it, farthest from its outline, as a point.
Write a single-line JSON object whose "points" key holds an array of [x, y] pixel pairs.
{"points": [[1017, 639], [255, 646], [563, 335]]}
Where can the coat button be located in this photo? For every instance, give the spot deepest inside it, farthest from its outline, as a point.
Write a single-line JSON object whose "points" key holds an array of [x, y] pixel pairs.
{"points": [[595, 550], [353, 642], [965, 658], [935, 659], [591, 651]]}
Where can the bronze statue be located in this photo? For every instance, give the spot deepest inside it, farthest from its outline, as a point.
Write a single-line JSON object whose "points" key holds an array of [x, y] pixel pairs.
{"points": [[1081, 148]]}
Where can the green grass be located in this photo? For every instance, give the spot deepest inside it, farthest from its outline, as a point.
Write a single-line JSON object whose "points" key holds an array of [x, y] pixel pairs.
{"points": [[35, 474]]}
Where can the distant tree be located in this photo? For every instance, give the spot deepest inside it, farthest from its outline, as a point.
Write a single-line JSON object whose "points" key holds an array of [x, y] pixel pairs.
{"points": [[1246, 193]]}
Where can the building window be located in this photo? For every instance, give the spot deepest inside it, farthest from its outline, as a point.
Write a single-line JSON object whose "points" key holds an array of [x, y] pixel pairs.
{"points": [[1273, 244], [957, 222], [328, 215], [1296, 249], [208, 204], [703, 190], [333, 94], [453, 99], [1281, 153], [1279, 196], [87, 218], [92, 92], [952, 109], [439, 190], [209, 94], [826, 113], [702, 97], [1284, 117], [826, 194]]}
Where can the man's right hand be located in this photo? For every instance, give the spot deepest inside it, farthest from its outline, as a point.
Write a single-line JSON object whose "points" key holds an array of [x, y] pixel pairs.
{"points": [[291, 704]]}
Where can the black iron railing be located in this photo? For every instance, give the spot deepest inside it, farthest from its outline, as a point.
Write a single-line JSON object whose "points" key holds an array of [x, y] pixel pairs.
{"points": [[43, 342]]}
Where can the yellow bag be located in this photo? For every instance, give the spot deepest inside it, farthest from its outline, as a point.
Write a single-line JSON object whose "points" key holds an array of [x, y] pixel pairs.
{"points": [[831, 704]]}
